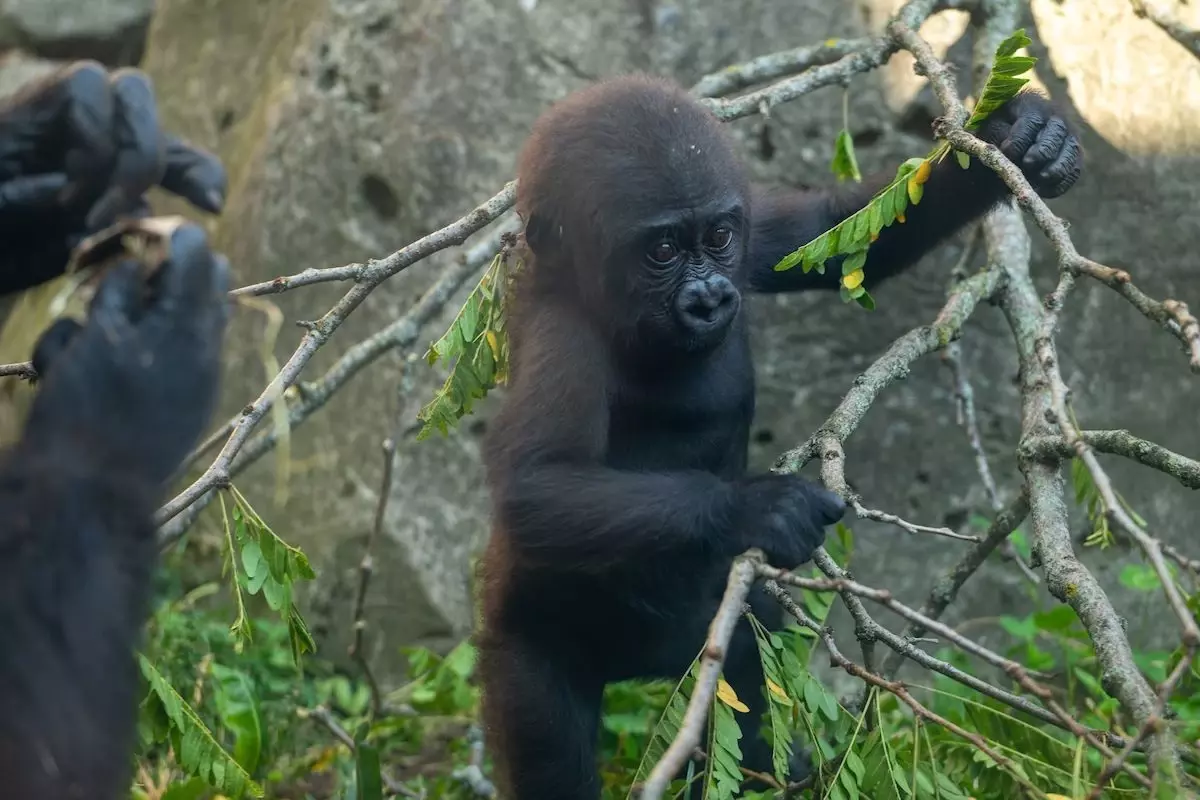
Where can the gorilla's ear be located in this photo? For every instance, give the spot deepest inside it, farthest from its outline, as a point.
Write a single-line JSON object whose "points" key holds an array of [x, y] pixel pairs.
{"points": [[542, 234]]}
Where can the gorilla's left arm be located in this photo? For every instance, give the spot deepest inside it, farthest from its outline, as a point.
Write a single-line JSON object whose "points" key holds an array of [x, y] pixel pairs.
{"points": [[121, 401], [1025, 129]]}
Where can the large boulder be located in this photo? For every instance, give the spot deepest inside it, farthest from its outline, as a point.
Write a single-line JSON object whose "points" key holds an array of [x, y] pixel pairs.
{"points": [[351, 129]]}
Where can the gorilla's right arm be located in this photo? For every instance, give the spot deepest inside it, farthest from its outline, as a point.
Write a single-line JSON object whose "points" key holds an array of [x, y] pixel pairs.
{"points": [[122, 400], [563, 507]]}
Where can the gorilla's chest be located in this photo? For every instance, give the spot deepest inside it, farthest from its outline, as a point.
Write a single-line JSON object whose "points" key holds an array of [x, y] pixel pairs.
{"points": [[698, 420]]}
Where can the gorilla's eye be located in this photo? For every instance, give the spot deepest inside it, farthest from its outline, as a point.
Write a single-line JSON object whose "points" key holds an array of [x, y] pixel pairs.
{"points": [[720, 238], [663, 252]]}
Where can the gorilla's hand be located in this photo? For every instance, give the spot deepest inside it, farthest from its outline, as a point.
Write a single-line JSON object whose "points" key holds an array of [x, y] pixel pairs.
{"points": [[1027, 130], [77, 151], [135, 385], [786, 516]]}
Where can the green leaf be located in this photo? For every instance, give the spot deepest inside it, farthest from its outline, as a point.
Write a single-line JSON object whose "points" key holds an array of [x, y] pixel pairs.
{"points": [[367, 773], [1141, 577], [476, 344], [1013, 43], [854, 261], [962, 158], [865, 300], [238, 709], [845, 164], [1003, 83], [200, 754]]}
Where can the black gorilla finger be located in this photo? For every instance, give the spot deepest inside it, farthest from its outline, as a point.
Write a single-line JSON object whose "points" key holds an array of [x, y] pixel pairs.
{"points": [[1048, 144], [84, 114], [52, 343], [1022, 136], [139, 158], [830, 507], [118, 298], [32, 192], [194, 174], [194, 280], [1061, 175]]}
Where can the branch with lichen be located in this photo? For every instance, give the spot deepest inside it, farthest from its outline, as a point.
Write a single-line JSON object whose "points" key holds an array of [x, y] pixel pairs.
{"points": [[1044, 396], [1157, 12]]}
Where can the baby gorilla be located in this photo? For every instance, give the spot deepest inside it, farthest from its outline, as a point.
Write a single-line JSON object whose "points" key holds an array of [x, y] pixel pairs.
{"points": [[617, 464]]}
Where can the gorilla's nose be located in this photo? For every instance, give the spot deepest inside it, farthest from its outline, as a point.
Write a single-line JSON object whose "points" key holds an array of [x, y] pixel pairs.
{"points": [[705, 304]]}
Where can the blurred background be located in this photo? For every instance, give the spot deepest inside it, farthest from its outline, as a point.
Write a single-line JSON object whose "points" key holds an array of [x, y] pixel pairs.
{"points": [[352, 127]]}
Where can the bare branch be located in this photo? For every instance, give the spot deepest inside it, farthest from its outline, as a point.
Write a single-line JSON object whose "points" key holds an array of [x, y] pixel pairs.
{"points": [[218, 473], [776, 65], [1043, 393], [1154, 11], [23, 370], [945, 591], [894, 365], [1119, 443], [313, 396]]}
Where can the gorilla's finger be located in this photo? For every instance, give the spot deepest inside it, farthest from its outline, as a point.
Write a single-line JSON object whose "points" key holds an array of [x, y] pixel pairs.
{"points": [[139, 158], [32, 192], [1022, 136], [194, 174], [52, 343], [118, 298], [85, 112], [195, 280], [1067, 166], [1048, 144], [1060, 176]]}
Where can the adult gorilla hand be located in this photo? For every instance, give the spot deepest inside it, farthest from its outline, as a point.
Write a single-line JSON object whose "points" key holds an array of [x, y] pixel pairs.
{"points": [[133, 387], [78, 150]]}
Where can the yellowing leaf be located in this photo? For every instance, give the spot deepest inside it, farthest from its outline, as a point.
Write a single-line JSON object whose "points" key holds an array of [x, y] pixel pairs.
{"points": [[729, 697], [922, 173], [901, 219], [776, 690], [853, 280], [1057, 797], [493, 343]]}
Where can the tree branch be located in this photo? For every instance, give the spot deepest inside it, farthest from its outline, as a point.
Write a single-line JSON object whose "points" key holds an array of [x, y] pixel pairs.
{"points": [[1169, 23]]}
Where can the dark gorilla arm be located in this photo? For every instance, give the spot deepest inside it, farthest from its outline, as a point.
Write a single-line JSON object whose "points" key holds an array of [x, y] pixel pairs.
{"points": [[557, 501], [564, 508], [1025, 129], [121, 401]]}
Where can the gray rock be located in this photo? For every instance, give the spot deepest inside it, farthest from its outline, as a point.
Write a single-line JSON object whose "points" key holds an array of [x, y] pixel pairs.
{"points": [[110, 31], [351, 129]]}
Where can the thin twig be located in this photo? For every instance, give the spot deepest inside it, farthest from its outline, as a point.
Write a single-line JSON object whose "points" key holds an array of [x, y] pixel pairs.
{"points": [[23, 370], [366, 568], [322, 715], [218, 473]]}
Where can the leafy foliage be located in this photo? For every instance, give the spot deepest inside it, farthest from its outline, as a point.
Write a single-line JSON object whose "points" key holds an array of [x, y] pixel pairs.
{"points": [[264, 564], [194, 744], [477, 345], [851, 238]]}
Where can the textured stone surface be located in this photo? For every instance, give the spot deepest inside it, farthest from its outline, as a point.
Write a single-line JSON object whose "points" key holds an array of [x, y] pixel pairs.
{"points": [[351, 128], [112, 31]]}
